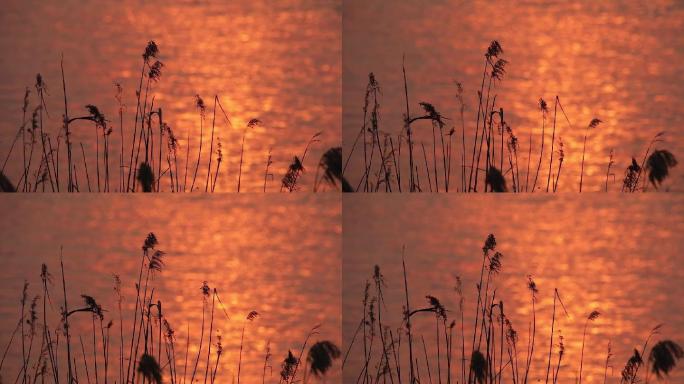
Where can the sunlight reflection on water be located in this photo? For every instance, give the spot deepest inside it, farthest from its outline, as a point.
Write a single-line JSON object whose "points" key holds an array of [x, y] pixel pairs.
{"points": [[611, 60], [620, 256], [280, 258], [279, 62]]}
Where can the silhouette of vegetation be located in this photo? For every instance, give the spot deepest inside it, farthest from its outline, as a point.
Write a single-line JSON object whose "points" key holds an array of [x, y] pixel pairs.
{"points": [[47, 161], [658, 166], [663, 357], [5, 184], [321, 357], [490, 144], [331, 167], [146, 341], [490, 353], [149, 369]]}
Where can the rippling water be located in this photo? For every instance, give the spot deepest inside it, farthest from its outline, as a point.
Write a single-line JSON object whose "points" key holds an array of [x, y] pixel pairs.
{"points": [[276, 61], [280, 258], [612, 60], [622, 257]]}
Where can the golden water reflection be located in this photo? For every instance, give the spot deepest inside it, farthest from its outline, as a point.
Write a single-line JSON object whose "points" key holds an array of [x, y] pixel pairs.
{"points": [[611, 60], [621, 257], [278, 62], [281, 259]]}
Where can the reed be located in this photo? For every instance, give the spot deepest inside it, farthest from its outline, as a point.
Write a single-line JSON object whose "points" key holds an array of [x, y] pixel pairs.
{"points": [[38, 155], [250, 317], [492, 356], [149, 360], [592, 316], [250, 125], [593, 124], [296, 168], [486, 152]]}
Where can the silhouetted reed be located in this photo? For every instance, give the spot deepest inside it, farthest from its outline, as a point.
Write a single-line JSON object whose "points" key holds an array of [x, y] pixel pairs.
{"points": [[593, 124], [658, 166], [39, 154], [492, 356], [147, 343], [331, 167], [296, 168], [492, 143]]}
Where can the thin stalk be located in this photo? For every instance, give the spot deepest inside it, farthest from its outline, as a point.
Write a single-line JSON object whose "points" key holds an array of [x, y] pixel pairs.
{"points": [[211, 330], [211, 147], [412, 378], [553, 140]]}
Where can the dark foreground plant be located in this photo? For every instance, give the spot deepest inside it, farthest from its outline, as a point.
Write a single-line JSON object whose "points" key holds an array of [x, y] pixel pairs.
{"points": [[494, 355]]}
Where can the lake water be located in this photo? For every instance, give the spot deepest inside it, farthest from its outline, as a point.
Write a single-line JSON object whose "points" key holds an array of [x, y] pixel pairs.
{"points": [[278, 62], [611, 60], [622, 257], [278, 257]]}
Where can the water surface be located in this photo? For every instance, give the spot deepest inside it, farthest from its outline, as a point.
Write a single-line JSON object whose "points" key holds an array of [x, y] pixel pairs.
{"points": [[611, 60], [280, 258], [622, 257], [278, 62]]}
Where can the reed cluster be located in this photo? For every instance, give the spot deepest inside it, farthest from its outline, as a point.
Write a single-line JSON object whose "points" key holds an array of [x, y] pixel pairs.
{"points": [[489, 149], [144, 350], [147, 159], [486, 351]]}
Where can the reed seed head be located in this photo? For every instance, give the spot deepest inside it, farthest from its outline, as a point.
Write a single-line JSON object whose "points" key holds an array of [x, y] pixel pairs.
{"points": [[663, 357], [499, 69], [593, 315], [45, 275], [594, 123], [199, 103], [150, 242], [321, 356], [150, 369], [437, 307], [495, 262], [532, 286], [151, 51], [489, 244], [253, 123], [96, 116], [155, 71], [494, 50], [146, 177], [252, 315], [156, 263], [543, 106], [478, 365], [288, 366], [632, 367], [205, 289], [496, 180], [93, 306], [658, 166]]}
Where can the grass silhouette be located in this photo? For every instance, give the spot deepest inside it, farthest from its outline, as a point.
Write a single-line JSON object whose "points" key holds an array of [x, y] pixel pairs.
{"points": [[495, 355], [147, 140], [493, 151], [147, 345]]}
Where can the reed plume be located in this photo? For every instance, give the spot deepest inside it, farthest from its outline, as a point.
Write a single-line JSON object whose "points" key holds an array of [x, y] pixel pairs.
{"points": [[321, 356], [658, 166], [150, 369]]}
